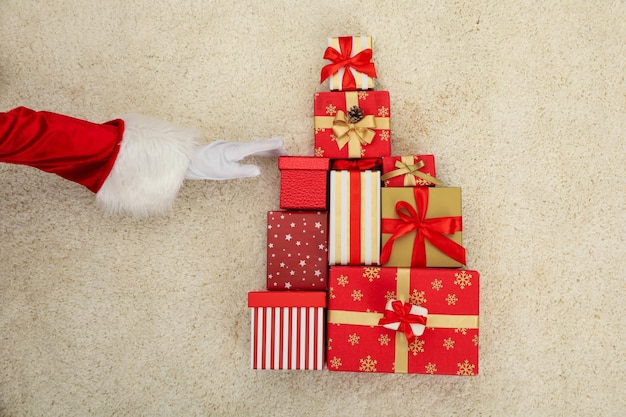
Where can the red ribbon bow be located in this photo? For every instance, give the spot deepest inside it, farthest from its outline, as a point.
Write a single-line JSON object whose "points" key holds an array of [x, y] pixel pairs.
{"points": [[401, 313], [356, 164], [361, 62], [432, 229]]}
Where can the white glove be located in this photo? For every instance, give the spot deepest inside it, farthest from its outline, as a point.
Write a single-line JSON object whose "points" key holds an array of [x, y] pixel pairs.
{"points": [[220, 160]]}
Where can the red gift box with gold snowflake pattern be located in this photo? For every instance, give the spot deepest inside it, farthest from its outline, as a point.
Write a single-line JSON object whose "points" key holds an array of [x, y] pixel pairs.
{"points": [[409, 171], [358, 306], [352, 124]]}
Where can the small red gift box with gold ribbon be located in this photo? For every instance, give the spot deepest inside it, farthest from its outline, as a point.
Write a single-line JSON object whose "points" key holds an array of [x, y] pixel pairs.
{"points": [[351, 66], [409, 171], [353, 124], [403, 320], [421, 227]]}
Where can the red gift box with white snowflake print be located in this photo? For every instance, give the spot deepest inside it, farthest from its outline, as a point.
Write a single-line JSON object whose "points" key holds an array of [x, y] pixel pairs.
{"points": [[358, 297], [352, 124], [297, 250]]}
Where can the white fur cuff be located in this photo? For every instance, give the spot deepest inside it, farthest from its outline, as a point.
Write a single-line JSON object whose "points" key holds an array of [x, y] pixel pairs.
{"points": [[150, 167]]}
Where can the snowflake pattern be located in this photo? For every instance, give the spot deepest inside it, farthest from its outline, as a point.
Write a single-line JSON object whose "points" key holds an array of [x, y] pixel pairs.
{"points": [[431, 368], [342, 280], [461, 330], [319, 152], [357, 295], [451, 299], [390, 295], [384, 340], [448, 343], [353, 339], [335, 362], [416, 347], [297, 250], [463, 279], [362, 95], [329, 345], [384, 135], [331, 293], [368, 364], [421, 182], [465, 368], [475, 340], [437, 284], [417, 298], [383, 112], [371, 273], [331, 110]]}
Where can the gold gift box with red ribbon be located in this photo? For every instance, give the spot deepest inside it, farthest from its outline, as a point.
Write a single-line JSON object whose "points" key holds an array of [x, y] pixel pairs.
{"points": [[358, 337], [353, 124], [421, 227]]}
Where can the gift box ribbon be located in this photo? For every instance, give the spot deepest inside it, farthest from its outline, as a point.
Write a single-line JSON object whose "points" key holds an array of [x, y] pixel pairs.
{"points": [[359, 133], [372, 319], [356, 164], [404, 317], [355, 135], [361, 62], [432, 229], [410, 169]]}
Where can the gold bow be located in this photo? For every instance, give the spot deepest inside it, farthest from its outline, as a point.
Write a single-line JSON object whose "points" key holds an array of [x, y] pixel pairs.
{"points": [[356, 134], [404, 168]]}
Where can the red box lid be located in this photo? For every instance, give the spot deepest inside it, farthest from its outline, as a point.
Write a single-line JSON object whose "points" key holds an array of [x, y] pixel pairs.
{"points": [[287, 299], [303, 162]]}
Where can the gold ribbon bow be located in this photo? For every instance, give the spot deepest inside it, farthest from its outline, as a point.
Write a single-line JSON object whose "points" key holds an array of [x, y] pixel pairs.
{"points": [[410, 171], [355, 134]]}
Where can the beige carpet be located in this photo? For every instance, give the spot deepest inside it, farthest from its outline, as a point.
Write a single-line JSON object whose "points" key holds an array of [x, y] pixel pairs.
{"points": [[524, 106]]}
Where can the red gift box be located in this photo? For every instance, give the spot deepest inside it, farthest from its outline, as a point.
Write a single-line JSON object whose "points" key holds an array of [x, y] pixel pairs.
{"points": [[409, 171], [287, 330], [297, 250], [357, 341], [303, 182], [338, 134]]}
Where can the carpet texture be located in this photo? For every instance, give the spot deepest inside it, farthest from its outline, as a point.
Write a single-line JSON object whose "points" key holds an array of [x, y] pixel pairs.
{"points": [[523, 104]]}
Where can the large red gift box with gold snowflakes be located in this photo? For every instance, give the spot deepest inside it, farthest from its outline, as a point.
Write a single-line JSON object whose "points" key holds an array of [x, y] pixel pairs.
{"points": [[352, 124], [366, 304], [297, 250]]}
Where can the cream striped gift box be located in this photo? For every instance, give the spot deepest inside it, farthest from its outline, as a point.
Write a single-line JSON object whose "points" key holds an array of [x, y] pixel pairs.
{"points": [[287, 329], [354, 218]]}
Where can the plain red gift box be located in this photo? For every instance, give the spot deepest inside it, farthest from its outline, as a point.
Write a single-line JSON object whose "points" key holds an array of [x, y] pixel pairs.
{"points": [[303, 182]]}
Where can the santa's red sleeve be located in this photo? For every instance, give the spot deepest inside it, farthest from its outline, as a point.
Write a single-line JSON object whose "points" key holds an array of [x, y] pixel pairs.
{"points": [[134, 164]]}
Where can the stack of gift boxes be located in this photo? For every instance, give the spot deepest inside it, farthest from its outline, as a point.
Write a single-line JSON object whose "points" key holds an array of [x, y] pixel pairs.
{"points": [[364, 259]]}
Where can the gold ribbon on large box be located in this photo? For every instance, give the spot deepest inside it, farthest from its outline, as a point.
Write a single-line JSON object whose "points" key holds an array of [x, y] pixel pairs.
{"points": [[355, 135], [403, 290]]}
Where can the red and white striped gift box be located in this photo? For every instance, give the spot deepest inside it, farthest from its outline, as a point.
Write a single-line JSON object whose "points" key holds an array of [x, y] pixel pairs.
{"points": [[287, 329]]}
